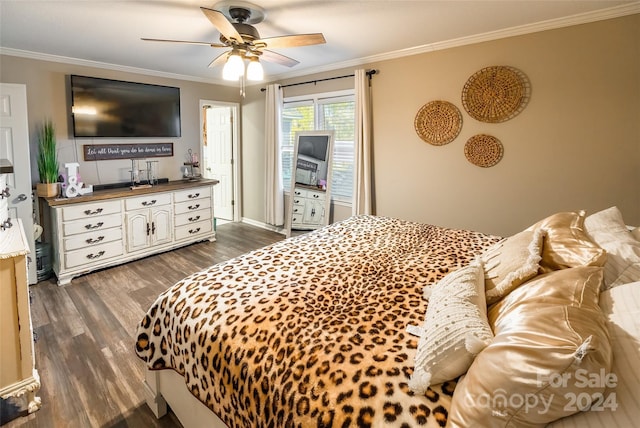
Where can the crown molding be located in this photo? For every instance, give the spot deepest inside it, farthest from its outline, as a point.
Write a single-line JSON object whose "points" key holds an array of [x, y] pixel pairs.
{"points": [[103, 65], [552, 24]]}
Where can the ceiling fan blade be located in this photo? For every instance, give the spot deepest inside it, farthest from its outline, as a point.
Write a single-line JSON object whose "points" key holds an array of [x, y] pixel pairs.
{"points": [[292, 41], [213, 45], [218, 60], [278, 58], [222, 24]]}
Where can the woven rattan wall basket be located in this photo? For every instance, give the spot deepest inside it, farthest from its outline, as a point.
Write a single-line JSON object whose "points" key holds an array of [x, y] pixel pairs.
{"points": [[496, 94], [438, 122], [483, 150]]}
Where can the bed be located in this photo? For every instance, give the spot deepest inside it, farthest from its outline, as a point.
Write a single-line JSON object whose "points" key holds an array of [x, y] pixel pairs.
{"points": [[327, 329]]}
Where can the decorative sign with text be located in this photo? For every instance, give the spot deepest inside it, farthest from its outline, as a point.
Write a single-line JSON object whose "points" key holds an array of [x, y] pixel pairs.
{"points": [[94, 152]]}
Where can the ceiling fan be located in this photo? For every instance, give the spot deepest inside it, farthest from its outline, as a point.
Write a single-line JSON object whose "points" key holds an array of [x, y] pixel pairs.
{"points": [[234, 19]]}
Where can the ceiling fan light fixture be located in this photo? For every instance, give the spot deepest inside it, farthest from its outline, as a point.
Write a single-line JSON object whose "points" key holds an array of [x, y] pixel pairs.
{"points": [[234, 67], [255, 71]]}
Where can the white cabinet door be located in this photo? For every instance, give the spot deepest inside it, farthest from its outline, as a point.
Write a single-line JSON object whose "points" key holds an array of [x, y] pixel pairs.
{"points": [[313, 212], [161, 226], [138, 230], [149, 227]]}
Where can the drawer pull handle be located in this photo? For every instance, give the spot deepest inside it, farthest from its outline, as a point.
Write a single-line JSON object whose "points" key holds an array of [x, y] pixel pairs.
{"points": [[93, 226], [5, 193], [316, 196], [153, 227], [192, 231], [6, 225], [149, 203], [193, 196], [94, 241], [94, 212], [196, 218], [95, 256], [194, 207], [148, 229]]}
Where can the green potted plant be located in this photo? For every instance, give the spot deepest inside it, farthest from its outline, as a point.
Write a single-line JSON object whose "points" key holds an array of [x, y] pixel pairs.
{"points": [[47, 161]]}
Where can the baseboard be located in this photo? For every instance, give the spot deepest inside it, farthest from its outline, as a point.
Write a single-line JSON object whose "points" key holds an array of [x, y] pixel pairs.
{"points": [[262, 225]]}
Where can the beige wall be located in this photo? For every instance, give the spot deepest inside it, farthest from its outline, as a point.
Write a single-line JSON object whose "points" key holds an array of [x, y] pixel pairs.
{"points": [[47, 98], [575, 146]]}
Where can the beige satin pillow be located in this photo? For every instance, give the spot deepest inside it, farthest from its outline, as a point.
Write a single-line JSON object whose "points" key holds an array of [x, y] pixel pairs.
{"points": [[550, 337], [511, 262], [566, 244]]}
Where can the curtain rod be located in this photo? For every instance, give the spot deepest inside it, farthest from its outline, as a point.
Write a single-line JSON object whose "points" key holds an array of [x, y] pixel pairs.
{"points": [[369, 73]]}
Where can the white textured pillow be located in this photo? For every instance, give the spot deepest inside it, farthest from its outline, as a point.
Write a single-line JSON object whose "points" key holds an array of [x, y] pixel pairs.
{"points": [[455, 328], [607, 229]]}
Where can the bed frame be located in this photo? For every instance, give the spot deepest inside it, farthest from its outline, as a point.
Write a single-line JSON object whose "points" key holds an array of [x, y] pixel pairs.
{"points": [[167, 388]]}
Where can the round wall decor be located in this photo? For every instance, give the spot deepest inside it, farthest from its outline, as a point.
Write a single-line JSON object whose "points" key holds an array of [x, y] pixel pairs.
{"points": [[483, 150], [496, 94], [438, 122]]}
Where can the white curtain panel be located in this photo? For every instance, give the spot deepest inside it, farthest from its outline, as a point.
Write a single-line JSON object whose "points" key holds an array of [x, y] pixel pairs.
{"points": [[362, 198], [274, 192]]}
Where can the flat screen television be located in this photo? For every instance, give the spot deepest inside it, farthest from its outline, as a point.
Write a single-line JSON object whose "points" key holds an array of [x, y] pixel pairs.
{"points": [[314, 146], [104, 108]]}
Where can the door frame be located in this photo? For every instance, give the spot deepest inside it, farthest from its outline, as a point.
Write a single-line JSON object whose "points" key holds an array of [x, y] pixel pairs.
{"points": [[235, 147]]}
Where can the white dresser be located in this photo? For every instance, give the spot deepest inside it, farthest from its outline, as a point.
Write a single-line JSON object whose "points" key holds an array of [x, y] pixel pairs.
{"points": [[18, 375], [308, 210], [117, 226]]}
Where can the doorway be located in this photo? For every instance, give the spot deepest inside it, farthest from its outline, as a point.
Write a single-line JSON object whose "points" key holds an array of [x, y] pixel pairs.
{"points": [[14, 146], [220, 156]]}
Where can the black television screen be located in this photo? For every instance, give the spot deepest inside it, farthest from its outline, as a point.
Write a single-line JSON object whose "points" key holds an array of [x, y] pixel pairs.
{"points": [[314, 146], [113, 108]]}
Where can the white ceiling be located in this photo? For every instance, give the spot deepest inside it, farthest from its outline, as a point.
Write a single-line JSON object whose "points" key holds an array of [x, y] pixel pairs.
{"points": [[107, 33]]}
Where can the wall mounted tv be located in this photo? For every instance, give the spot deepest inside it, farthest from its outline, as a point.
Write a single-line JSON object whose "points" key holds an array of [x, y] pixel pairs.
{"points": [[115, 109]]}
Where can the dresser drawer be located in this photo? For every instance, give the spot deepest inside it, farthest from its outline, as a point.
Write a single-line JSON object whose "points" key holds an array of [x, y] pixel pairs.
{"points": [[89, 239], [90, 210], [190, 206], [195, 229], [147, 201], [309, 194], [93, 254], [192, 217], [315, 196], [191, 194], [296, 219], [91, 224], [297, 208]]}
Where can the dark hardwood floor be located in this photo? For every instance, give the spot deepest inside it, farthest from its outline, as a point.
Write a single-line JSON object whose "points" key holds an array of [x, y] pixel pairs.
{"points": [[85, 347]]}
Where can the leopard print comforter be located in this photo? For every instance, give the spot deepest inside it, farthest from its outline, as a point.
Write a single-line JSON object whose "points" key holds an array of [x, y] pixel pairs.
{"points": [[310, 331]]}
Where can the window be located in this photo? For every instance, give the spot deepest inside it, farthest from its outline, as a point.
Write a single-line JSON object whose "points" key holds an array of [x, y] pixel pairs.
{"points": [[333, 111]]}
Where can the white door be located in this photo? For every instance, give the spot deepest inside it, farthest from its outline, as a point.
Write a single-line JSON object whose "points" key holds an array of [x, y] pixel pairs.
{"points": [[14, 146], [218, 149]]}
